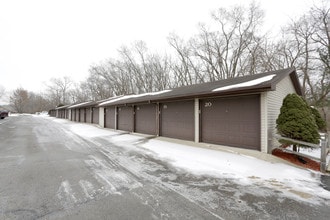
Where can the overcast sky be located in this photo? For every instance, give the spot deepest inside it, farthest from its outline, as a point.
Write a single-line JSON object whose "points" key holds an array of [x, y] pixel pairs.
{"points": [[41, 39]]}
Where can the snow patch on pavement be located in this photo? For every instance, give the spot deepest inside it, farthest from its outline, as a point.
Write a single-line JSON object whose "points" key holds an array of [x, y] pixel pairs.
{"points": [[299, 183], [254, 173], [11, 160], [88, 188], [66, 195], [111, 178], [90, 131]]}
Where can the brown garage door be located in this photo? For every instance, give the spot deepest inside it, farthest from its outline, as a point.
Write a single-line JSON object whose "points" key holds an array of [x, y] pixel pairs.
{"points": [[88, 115], [125, 118], [73, 115], [82, 115], [145, 119], [110, 117], [77, 118], [95, 115], [177, 120], [66, 113], [231, 121]]}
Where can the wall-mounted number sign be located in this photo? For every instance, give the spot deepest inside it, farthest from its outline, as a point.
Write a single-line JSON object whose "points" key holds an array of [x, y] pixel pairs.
{"points": [[207, 104]]}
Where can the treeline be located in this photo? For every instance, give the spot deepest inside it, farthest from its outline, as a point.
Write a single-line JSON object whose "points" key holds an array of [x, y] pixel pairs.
{"points": [[231, 45]]}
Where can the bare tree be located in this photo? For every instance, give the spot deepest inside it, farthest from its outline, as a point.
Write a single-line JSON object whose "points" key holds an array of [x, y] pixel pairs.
{"points": [[307, 47], [98, 86], [148, 71], [135, 71], [19, 100], [160, 67], [231, 50], [58, 90], [81, 92], [321, 18], [36, 103], [186, 69], [299, 50]]}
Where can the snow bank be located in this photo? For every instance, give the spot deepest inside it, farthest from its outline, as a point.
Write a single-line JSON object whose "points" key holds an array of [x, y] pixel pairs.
{"points": [[244, 170], [213, 162]]}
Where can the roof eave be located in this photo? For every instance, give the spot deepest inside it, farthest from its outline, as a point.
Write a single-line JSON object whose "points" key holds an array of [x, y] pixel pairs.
{"points": [[296, 83], [244, 91]]}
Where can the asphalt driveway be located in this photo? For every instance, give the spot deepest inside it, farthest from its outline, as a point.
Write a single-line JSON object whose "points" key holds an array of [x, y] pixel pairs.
{"points": [[49, 172]]}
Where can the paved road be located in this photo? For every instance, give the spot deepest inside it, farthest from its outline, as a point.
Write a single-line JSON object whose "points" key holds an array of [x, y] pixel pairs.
{"points": [[49, 172]]}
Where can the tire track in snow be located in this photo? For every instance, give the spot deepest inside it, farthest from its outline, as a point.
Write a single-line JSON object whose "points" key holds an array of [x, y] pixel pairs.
{"points": [[88, 189], [139, 167], [110, 176], [66, 195]]}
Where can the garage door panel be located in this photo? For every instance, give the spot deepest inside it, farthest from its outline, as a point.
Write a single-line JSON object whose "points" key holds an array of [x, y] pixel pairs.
{"points": [[82, 115], [232, 121], [88, 115], [77, 115], [95, 115], [177, 120], [125, 118], [145, 119], [110, 117]]}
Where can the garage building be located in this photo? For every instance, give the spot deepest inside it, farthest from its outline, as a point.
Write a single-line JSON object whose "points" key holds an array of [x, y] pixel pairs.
{"points": [[238, 112]]}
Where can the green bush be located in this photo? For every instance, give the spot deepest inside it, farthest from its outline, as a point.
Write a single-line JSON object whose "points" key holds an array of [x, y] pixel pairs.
{"points": [[297, 121], [321, 124]]}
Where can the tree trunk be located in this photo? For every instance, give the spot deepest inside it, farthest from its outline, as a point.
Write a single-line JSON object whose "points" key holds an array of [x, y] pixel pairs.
{"points": [[294, 148]]}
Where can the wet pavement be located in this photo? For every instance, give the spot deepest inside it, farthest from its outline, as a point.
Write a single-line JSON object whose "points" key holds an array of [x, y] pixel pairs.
{"points": [[49, 172], [325, 182]]}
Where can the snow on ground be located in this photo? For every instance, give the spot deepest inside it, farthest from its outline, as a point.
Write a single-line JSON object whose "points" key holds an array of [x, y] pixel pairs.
{"points": [[244, 170], [241, 168], [313, 152]]}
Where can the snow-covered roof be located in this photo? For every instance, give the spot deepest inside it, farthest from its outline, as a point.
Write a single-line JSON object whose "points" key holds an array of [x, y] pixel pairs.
{"points": [[233, 86], [126, 97], [83, 104], [246, 84], [62, 107]]}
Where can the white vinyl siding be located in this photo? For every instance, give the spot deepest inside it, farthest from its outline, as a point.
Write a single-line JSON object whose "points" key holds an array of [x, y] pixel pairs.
{"points": [[197, 126], [101, 117], [263, 121], [274, 103]]}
